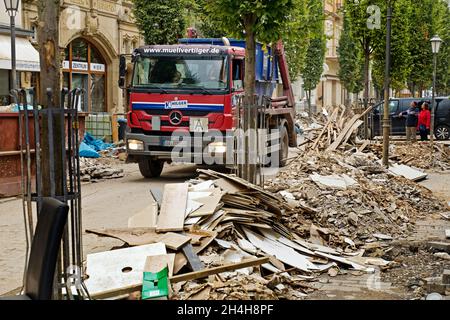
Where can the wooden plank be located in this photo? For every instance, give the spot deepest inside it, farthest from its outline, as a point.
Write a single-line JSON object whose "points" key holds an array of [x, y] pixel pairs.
{"points": [[192, 258], [352, 129], [185, 277], [343, 133], [325, 127], [364, 145], [173, 207], [210, 271], [173, 240], [180, 262]]}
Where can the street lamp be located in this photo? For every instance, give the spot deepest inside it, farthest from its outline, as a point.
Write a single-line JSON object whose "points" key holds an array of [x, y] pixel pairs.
{"points": [[11, 7], [387, 82], [435, 46]]}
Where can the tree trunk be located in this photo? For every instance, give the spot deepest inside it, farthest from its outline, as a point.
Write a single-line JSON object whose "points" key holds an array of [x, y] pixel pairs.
{"points": [[49, 54], [366, 85], [250, 116]]}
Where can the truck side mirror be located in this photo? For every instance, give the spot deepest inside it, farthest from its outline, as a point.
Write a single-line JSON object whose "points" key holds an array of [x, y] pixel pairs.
{"points": [[122, 71]]}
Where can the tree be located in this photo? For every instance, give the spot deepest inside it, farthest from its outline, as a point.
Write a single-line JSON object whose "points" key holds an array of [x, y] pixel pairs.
{"points": [[350, 61], [364, 20], [50, 65], [315, 54], [202, 19], [251, 19], [161, 21], [401, 53], [441, 14], [296, 40]]}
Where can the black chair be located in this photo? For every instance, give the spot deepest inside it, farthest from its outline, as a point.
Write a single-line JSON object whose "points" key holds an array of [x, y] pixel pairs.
{"points": [[44, 251]]}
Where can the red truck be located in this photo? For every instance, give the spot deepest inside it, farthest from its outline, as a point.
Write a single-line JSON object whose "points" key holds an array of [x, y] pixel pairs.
{"points": [[193, 87]]}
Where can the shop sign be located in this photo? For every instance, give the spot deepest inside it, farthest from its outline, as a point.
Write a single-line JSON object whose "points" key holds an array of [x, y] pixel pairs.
{"points": [[79, 66], [98, 67]]}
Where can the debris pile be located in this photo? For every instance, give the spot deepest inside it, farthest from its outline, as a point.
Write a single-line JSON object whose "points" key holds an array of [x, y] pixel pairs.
{"points": [[93, 170], [351, 196], [418, 155], [247, 242]]}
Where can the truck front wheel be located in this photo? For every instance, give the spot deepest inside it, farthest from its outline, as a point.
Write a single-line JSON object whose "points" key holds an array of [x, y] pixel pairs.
{"points": [[150, 168]]}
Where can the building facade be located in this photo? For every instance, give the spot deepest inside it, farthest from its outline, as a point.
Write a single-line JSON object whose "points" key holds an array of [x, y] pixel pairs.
{"points": [[92, 36], [329, 91]]}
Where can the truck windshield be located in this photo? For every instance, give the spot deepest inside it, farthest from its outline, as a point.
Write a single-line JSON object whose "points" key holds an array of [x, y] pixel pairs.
{"points": [[174, 73]]}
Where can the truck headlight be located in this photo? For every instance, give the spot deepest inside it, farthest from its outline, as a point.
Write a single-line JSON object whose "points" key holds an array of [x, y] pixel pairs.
{"points": [[135, 145], [217, 147]]}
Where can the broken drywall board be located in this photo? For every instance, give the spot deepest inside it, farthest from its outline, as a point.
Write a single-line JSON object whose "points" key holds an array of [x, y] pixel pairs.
{"points": [[191, 221], [192, 206], [316, 247], [209, 204], [282, 252], [194, 195], [407, 172], [381, 236], [247, 246], [173, 208], [147, 217], [116, 269], [342, 260], [270, 234], [447, 233], [202, 186], [156, 194], [334, 181], [229, 186]]}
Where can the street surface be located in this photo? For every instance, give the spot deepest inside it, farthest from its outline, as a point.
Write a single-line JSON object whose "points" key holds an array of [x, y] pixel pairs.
{"points": [[109, 204]]}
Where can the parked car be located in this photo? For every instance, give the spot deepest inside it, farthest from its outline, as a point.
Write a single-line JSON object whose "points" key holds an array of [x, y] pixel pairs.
{"points": [[397, 106]]}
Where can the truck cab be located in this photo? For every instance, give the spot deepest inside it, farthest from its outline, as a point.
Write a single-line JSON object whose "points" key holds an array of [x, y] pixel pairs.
{"points": [[187, 89]]}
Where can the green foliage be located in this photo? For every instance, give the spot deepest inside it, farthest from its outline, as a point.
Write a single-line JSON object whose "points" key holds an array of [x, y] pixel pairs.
{"points": [[161, 21], [315, 55], [441, 13], [202, 20], [267, 18], [296, 39], [350, 61], [401, 53]]}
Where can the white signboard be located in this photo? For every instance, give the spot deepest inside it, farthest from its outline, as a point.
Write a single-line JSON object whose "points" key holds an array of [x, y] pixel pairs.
{"points": [[66, 64], [97, 67], [80, 66]]}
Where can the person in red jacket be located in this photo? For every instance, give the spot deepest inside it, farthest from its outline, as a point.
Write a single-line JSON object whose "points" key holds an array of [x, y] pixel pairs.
{"points": [[424, 122]]}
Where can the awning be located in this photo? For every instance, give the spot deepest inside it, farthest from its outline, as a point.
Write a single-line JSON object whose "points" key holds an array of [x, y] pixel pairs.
{"points": [[27, 57]]}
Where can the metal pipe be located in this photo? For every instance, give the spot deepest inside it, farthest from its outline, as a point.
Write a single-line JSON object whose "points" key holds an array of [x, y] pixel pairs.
{"points": [[387, 80], [433, 99], [13, 52]]}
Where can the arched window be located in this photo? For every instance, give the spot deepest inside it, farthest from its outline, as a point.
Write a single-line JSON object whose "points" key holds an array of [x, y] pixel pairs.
{"points": [[84, 67]]}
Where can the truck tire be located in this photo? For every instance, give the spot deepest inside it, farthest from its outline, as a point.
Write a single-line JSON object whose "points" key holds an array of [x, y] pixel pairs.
{"points": [[284, 146], [442, 132], [150, 168]]}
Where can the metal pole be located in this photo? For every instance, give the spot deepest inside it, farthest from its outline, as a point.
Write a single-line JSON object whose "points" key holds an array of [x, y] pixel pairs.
{"points": [[13, 52], [433, 99], [387, 80]]}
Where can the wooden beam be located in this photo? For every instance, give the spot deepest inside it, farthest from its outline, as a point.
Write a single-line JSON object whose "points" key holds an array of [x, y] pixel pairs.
{"points": [[227, 267]]}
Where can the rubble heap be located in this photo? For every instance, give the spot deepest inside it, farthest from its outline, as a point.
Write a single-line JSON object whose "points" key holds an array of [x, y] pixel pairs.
{"points": [[419, 155], [374, 202], [94, 169]]}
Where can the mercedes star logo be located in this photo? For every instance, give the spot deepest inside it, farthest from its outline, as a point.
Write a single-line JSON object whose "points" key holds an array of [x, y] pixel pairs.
{"points": [[175, 117]]}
